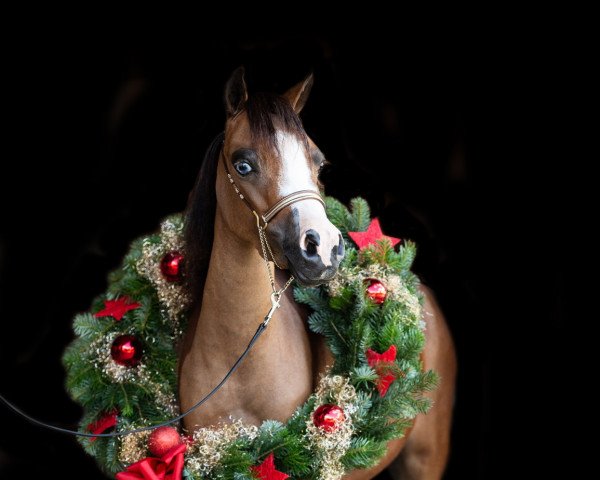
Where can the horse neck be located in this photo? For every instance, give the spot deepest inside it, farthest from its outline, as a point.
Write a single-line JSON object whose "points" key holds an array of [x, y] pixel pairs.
{"points": [[236, 293], [236, 298]]}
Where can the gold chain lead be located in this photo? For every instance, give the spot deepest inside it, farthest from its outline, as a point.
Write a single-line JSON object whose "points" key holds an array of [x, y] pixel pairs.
{"points": [[264, 245]]}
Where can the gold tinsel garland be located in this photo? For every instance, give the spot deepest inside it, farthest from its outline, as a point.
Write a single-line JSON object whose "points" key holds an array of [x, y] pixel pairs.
{"points": [[209, 444], [133, 447], [172, 295], [103, 361], [396, 288], [330, 447]]}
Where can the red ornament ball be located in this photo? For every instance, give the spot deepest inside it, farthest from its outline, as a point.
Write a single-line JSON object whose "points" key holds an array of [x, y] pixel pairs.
{"points": [[162, 440], [328, 417], [126, 350], [375, 290], [171, 266]]}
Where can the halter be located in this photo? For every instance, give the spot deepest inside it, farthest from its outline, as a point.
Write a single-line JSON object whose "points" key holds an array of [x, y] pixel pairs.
{"points": [[264, 243], [280, 205]]}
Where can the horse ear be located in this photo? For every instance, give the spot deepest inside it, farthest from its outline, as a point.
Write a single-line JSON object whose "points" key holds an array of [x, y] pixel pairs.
{"points": [[236, 92], [298, 94]]}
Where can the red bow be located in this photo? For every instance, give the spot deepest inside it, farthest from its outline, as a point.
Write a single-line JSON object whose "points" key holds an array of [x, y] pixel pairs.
{"points": [[168, 467], [106, 421]]}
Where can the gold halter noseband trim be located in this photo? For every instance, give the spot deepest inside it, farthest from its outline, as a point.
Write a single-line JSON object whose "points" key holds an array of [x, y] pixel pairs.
{"points": [[289, 200], [280, 205]]}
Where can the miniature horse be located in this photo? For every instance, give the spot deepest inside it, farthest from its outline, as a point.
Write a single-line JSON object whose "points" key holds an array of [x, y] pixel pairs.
{"points": [[270, 156]]}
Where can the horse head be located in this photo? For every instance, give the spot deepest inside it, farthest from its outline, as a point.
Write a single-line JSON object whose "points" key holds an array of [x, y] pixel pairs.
{"points": [[268, 157]]}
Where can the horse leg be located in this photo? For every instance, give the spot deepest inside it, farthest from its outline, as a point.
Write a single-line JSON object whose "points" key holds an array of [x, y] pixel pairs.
{"points": [[425, 453]]}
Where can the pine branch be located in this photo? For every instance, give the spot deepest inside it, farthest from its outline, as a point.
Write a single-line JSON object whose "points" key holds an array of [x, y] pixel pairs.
{"points": [[363, 376], [406, 255], [361, 215], [314, 297], [363, 453], [338, 215], [88, 326]]}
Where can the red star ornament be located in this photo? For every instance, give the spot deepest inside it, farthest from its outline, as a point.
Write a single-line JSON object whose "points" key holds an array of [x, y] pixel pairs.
{"points": [[267, 471], [380, 362], [370, 237], [117, 308]]}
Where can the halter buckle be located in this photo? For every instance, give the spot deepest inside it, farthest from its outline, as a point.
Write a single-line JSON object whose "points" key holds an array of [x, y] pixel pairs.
{"points": [[258, 218]]}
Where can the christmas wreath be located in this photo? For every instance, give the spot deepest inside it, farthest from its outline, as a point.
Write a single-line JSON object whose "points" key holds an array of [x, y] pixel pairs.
{"points": [[122, 366]]}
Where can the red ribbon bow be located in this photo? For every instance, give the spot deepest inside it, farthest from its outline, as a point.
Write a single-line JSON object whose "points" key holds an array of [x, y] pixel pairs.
{"points": [[168, 467], [106, 421]]}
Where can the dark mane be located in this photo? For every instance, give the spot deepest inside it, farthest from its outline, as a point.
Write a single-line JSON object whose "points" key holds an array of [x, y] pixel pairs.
{"points": [[267, 113], [200, 221]]}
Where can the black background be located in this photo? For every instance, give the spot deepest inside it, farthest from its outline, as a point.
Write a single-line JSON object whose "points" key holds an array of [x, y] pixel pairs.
{"points": [[103, 136]]}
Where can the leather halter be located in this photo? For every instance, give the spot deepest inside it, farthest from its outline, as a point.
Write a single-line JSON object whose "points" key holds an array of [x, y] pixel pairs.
{"points": [[280, 205]]}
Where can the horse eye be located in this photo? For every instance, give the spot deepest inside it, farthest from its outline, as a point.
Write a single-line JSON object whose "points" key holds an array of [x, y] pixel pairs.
{"points": [[243, 168]]}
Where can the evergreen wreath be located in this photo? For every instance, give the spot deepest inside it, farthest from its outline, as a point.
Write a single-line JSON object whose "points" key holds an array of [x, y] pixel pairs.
{"points": [[122, 365]]}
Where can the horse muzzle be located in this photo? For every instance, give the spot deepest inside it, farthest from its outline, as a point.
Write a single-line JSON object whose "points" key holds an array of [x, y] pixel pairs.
{"points": [[315, 255]]}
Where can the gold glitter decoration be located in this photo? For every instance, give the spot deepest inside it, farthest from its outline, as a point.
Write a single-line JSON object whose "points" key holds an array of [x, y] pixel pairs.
{"points": [[165, 400], [139, 374], [396, 288], [103, 360], [398, 292], [172, 295], [210, 443], [330, 447], [133, 447]]}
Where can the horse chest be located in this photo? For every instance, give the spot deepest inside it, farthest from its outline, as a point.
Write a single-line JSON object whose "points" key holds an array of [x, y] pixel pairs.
{"points": [[277, 376], [281, 376]]}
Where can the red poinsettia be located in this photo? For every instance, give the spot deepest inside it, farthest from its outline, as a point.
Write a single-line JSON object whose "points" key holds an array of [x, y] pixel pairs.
{"points": [[267, 471], [382, 362], [167, 467], [370, 237], [117, 308]]}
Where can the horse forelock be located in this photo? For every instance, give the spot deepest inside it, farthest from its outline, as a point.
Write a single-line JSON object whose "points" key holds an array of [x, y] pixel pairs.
{"points": [[269, 113]]}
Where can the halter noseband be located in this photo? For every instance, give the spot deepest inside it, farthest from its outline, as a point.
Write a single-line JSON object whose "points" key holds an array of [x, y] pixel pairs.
{"points": [[280, 205]]}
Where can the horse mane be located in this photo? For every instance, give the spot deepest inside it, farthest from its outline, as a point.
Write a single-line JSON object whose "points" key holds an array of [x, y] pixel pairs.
{"points": [[267, 112], [200, 221]]}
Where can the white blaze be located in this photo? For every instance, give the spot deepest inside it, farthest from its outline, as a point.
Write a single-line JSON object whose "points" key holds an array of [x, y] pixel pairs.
{"points": [[295, 172], [295, 176]]}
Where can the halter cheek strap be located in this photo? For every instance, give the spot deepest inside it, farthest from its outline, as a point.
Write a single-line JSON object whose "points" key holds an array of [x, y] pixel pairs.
{"points": [[280, 205]]}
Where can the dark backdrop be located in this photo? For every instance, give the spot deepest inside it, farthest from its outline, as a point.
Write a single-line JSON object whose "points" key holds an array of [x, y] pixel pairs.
{"points": [[101, 139]]}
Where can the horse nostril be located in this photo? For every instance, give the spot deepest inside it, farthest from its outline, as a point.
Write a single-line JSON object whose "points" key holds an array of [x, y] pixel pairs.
{"points": [[312, 240], [341, 248]]}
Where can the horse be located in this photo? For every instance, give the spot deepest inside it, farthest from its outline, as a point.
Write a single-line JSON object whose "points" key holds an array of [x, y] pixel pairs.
{"points": [[263, 160]]}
